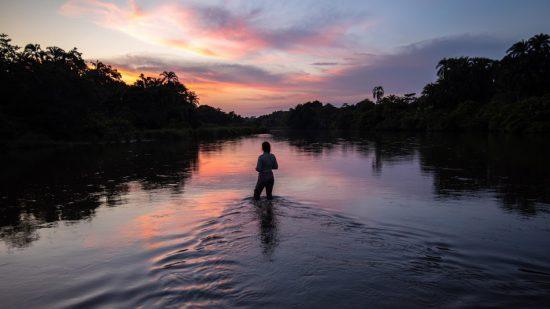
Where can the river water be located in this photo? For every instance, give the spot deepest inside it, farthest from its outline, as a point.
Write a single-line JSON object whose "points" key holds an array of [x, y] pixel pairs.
{"points": [[380, 221]]}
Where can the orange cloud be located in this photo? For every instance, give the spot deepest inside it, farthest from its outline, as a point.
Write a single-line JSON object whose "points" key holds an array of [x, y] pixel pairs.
{"points": [[128, 76], [241, 88], [226, 95], [185, 45]]}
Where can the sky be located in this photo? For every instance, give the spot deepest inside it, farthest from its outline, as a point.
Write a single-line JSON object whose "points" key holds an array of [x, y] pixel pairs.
{"points": [[255, 57]]}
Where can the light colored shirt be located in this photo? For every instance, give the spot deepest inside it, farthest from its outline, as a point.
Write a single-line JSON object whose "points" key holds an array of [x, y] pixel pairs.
{"points": [[266, 163]]}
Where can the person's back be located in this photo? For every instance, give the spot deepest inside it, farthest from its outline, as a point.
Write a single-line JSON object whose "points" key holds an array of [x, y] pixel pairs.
{"points": [[265, 166], [266, 163]]}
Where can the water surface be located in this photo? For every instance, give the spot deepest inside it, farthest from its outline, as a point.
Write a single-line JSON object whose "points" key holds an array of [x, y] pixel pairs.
{"points": [[389, 220]]}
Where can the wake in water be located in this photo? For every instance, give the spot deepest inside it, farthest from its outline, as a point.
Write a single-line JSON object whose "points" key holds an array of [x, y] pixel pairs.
{"points": [[284, 253]]}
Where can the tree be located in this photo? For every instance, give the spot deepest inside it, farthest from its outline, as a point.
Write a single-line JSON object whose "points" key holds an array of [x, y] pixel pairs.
{"points": [[103, 73], [169, 77], [33, 52], [539, 43], [525, 70], [409, 97], [378, 93], [8, 52], [461, 79], [519, 49], [55, 94]]}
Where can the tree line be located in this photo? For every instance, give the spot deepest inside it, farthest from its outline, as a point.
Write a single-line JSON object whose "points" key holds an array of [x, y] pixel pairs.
{"points": [[53, 94], [470, 93]]}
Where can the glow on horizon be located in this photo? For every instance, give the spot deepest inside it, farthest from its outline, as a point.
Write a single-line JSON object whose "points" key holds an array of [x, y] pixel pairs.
{"points": [[257, 56]]}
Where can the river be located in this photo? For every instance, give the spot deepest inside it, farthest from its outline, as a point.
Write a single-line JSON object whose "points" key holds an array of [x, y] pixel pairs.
{"points": [[388, 220]]}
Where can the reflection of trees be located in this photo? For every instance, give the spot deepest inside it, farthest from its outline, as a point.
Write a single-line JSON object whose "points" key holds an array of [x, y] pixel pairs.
{"points": [[386, 148], [21, 232], [515, 168], [390, 148], [48, 186], [216, 145], [310, 142]]}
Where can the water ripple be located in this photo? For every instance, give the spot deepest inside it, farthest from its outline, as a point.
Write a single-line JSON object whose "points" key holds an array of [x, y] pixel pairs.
{"points": [[286, 253]]}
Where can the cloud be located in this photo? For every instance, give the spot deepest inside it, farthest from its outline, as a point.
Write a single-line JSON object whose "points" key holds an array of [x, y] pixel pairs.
{"points": [[196, 72], [409, 68], [214, 31], [252, 89], [244, 88], [325, 63]]}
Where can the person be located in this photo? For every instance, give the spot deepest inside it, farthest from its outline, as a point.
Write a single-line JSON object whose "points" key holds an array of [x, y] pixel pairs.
{"points": [[265, 166]]}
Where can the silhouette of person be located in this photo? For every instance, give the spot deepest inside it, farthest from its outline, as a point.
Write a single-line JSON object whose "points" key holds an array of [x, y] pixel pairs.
{"points": [[265, 166]]}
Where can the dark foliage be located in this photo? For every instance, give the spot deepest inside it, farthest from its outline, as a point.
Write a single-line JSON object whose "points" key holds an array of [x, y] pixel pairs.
{"points": [[210, 115], [53, 94], [478, 94]]}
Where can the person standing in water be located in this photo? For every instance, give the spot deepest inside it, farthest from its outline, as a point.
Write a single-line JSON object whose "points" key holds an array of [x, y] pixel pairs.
{"points": [[265, 166]]}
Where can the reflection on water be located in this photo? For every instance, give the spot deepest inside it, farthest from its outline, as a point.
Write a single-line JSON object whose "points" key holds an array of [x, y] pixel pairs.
{"points": [[268, 226], [49, 186], [387, 220]]}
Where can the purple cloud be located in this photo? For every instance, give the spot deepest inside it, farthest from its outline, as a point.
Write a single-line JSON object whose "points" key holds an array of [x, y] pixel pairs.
{"points": [[410, 68]]}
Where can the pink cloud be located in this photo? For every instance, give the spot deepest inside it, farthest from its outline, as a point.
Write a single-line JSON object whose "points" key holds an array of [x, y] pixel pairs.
{"points": [[207, 31], [251, 89], [260, 66]]}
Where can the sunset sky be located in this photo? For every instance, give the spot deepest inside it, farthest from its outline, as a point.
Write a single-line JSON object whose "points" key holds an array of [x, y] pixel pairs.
{"points": [[255, 57]]}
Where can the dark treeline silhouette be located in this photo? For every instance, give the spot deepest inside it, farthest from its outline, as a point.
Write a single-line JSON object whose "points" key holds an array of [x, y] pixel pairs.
{"points": [[53, 94], [478, 94]]}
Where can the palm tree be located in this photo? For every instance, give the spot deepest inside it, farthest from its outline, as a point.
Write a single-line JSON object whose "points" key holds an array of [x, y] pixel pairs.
{"points": [[56, 54], [104, 73], [169, 77], [34, 52], [8, 52], [518, 49], [539, 42], [378, 93], [75, 61], [449, 67]]}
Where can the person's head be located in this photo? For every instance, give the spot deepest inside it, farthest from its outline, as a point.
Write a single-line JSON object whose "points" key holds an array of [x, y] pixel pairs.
{"points": [[266, 147]]}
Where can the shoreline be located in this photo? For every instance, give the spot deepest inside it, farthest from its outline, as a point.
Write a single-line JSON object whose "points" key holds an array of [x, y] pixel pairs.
{"points": [[148, 136]]}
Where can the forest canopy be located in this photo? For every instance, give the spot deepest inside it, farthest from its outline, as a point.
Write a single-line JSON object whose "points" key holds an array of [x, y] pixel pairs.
{"points": [[55, 95]]}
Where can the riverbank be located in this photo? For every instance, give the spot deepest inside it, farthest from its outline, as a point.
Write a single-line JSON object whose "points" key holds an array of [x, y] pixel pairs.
{"points": [[206, 133]]}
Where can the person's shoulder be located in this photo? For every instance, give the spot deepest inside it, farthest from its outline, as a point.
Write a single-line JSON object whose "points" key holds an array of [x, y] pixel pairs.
{"points": [[272, 155]]}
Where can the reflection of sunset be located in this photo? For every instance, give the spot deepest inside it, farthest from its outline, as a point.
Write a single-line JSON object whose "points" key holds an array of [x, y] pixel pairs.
{"points": [[225, 174], [216, 165], [177, 217], [150, 225], [211, 203]]}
